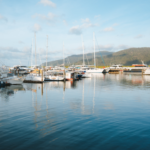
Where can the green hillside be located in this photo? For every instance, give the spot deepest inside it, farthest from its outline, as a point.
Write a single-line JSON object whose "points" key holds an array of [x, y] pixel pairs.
{"points": [[74, 59], [126, 57]]}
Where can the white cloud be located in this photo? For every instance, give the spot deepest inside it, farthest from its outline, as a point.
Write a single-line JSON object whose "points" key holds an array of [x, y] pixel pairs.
{"points": [[14, 53], [20, 42], [51, 18], [65, 22], [9, 49], [87, 20], [48, 3], [115, 24], [107, 47], [36, 27], [138, 36], [122, 46], [3, 18], [109, 29], [86, 23], [76, 30], [97, 16]]}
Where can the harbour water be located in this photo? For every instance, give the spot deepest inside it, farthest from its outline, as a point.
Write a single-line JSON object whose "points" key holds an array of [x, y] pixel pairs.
{"points": [[109, 111]]}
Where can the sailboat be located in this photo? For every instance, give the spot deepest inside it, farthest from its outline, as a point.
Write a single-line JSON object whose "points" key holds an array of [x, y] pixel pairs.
{"points": [[84, 68], [94, 70], [51, 75], [34, 78]]}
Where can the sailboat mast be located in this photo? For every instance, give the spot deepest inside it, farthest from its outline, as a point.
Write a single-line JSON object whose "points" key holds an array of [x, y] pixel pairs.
{"points": [[35, 49], [63, 55], [83, 50], [94, 49], [31, 52], [46, 51]]}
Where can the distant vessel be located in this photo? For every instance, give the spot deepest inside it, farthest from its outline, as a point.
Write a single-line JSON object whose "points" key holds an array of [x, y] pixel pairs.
{"points": [[137, 68]]}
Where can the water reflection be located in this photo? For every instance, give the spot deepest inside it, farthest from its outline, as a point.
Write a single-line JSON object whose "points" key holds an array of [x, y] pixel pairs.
{"points": [[58, 85], [9, 91], [97, 110]]}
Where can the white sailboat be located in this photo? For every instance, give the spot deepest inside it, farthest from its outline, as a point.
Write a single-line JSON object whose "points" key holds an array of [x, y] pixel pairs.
{"points": [[54, 78], [94, 70], [53, 75], [84, 68], [34, 78]]}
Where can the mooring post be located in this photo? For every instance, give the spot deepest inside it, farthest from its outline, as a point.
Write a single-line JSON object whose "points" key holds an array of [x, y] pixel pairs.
{"points": [[42, 89], [41, 75], [64, 74]]}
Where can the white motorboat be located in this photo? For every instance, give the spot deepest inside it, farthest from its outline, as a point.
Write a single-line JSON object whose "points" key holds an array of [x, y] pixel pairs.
{"points": [[13, 80], [34, 78], [9, 78]]}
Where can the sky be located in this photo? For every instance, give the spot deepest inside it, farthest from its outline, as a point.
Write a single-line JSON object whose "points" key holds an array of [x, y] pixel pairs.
{"points": [[117, 25]]}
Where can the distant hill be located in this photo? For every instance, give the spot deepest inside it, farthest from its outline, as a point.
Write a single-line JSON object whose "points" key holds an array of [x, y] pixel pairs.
{"points": [[126, 57], [75, 59]]}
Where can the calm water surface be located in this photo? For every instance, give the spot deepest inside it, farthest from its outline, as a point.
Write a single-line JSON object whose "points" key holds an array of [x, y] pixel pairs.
{"points": [[102, 112]]}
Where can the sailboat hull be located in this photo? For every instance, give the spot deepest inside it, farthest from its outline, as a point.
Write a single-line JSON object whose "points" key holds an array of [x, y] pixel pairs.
{"points": [[54, 78], [33, 79], [94, 71], [13, 80]]}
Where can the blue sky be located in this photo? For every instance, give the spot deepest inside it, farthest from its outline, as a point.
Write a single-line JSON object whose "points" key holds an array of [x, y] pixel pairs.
{"points": [[117, 25]]}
